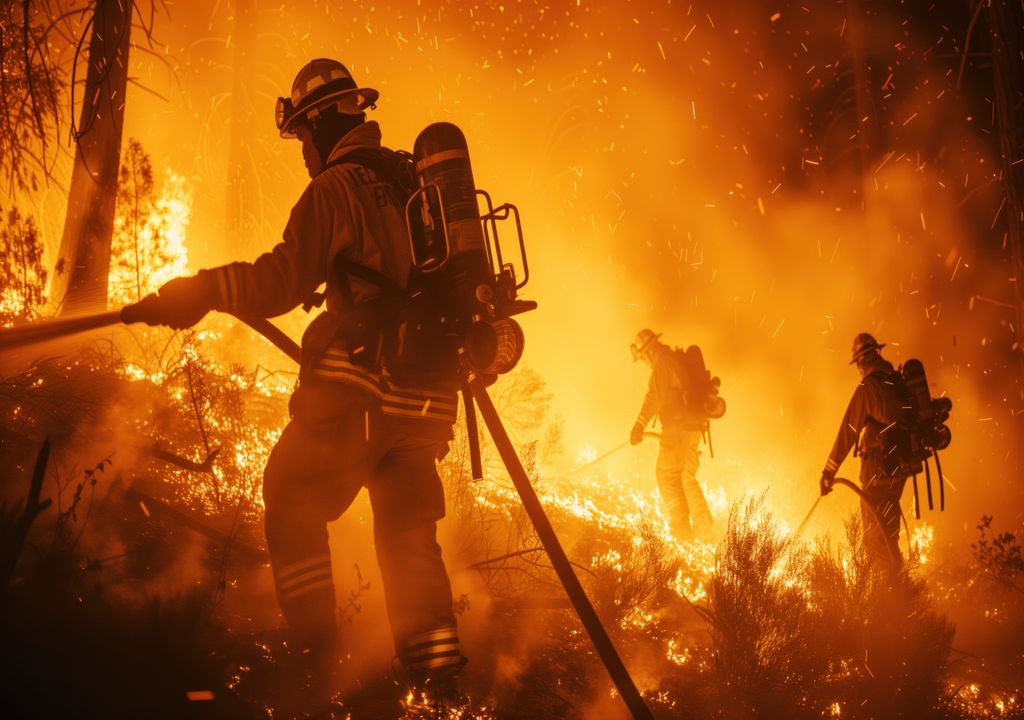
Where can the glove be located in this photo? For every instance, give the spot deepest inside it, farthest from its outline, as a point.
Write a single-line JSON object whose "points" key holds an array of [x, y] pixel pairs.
{"points": [[826, 482], [636, 435], [179, 304]]}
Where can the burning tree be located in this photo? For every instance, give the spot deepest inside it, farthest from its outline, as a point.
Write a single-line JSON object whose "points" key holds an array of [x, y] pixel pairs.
{"points": [[149, 229], [22, 273]]}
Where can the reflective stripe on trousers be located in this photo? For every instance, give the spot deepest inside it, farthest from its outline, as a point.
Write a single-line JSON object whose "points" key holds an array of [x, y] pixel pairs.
{"points": [[336, 443], [676, 471]]}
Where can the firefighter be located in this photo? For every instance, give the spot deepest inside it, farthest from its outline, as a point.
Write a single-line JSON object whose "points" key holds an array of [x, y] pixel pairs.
{"points": [[681, 432], [870, 428], [351, 425]]}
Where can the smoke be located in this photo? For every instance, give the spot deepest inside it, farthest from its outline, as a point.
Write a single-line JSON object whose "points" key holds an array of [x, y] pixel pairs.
{"points": [[694, 168]]}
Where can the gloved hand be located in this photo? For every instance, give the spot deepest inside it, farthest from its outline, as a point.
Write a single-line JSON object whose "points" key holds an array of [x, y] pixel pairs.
{"points": [[636, 435], [179, 304], [826, 482]]}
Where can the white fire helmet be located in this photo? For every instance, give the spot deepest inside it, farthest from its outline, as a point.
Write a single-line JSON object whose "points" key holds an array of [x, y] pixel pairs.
{"points": [[320, 84]]}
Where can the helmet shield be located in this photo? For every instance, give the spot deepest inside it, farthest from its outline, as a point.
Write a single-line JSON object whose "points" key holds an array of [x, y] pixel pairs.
{"points": [[283, 111]]}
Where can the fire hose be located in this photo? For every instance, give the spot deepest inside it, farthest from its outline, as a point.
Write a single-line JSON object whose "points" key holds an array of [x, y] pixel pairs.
{"points": [[45, 330], [606, 455], [617, 448], [864, 503]]}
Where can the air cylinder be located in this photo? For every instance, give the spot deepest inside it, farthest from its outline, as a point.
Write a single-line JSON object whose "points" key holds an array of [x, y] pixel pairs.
{"points": [[441, 158]]}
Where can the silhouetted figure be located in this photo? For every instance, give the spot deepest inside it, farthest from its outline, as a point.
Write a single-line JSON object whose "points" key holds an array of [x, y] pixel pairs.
{"points": [[870, 427], [352, 424], [669, 396]]}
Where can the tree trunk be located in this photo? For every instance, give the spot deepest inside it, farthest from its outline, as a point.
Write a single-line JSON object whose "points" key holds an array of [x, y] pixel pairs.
{"points": [[80, 283], [1006, 34], [242, 196]]}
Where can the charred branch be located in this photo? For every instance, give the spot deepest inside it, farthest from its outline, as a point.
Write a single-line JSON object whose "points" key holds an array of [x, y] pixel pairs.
{"points": [[206, 466], [16, 521]]}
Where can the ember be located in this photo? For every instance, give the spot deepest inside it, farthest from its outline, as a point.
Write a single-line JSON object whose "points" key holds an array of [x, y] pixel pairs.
{"points": [[764, 182]]}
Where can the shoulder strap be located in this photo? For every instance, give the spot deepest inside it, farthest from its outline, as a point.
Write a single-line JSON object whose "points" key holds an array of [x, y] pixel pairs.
{"points": [[387, 165], [345, 267]]}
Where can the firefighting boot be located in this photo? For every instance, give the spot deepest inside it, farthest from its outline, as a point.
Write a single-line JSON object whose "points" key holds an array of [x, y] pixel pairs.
{"points": [[317, 665], [436, 695]]}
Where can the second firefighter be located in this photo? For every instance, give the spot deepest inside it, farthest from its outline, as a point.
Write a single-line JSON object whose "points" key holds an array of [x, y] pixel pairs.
{"points": [[678, 395]]}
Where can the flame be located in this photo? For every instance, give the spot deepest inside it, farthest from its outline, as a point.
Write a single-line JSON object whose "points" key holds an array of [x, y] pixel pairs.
{"points": [[146, 255], [922, 538], [648, 219], [676, 654], [11, 304], [243, 445]]}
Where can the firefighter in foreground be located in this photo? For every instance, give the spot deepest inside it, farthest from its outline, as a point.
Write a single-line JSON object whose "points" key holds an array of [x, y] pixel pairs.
{"points": [[351, 424], [872, 428], [683, 395]]}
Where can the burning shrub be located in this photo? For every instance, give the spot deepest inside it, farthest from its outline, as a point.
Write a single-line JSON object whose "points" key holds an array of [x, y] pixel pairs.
{"points": [[764, 659], [72, 645], [632, 577], [822, 632], [886, 647]]}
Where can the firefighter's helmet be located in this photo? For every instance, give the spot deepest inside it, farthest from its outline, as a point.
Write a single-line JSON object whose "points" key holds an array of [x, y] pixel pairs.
{"points": [[320, 84], [863, 346], [644, 339]]}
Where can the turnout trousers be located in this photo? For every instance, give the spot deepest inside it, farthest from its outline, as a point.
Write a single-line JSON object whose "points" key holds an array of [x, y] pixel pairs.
{"points": [[337, 442], [676, 471], [880, 511]]}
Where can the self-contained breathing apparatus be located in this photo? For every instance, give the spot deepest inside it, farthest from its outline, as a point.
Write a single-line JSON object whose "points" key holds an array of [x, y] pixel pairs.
{"points": [[458, 258], [700, 399], [456, 310], [919, 434], [454, 317]]}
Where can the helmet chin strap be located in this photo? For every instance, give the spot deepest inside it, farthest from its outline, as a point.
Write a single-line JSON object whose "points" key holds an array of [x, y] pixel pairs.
{"points": [[329, 126]]}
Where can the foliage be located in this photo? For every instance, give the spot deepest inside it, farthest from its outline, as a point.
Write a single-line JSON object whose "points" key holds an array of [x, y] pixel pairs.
{"points": [[632, 577], [16, 519], [999, 556], [762, 645], [30, 86], [22, 273], [798, 632], [886, 647], [497, 539]]}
